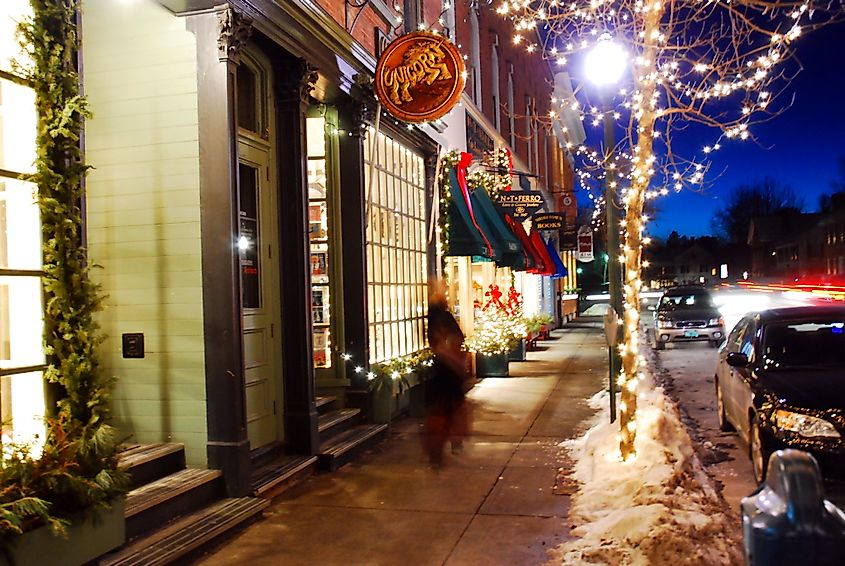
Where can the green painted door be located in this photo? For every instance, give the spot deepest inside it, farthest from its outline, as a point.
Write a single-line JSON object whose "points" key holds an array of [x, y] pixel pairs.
{"points": [[258, 244]]}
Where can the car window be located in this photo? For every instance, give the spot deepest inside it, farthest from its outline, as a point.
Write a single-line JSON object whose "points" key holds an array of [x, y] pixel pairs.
{"points": [[735, 337], [817, 343], [746, 343], [686, 301]]}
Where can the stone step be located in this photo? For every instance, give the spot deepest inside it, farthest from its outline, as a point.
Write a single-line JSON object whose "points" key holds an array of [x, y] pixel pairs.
{"points": [[188, 534], [335, 422], [271, 478], [324, 403], [342, 448], [149, 462], [155, 503]]}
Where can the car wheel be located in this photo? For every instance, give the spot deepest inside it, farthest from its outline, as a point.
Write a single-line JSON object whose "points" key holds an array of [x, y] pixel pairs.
{"points": [[724, 425], [659, 344], [714, 343], [759, 455]]}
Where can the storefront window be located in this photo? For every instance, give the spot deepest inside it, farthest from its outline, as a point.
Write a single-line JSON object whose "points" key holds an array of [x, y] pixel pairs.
{"points": [[396, 247], [318, 234], [21, 315]]}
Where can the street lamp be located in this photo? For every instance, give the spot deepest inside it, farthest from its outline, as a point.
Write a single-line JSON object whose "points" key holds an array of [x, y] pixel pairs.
{"points": [[605, 63]]}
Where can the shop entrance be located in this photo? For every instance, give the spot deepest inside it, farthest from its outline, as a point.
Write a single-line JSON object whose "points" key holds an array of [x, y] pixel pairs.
{"points": [[258, 244], [259, 247]]}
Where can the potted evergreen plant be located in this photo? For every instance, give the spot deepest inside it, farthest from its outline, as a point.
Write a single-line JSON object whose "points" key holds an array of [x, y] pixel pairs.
{"points": [[497, 332]]}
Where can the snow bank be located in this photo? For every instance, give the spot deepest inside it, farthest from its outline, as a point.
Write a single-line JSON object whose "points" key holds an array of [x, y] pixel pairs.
{"points": [[658, 508], [599, 309]]}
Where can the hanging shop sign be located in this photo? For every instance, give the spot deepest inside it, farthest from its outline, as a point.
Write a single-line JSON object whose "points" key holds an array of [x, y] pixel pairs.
{"points": [[585, 244], [520, 204], [419, 77], [548, 221], [569, 233]]}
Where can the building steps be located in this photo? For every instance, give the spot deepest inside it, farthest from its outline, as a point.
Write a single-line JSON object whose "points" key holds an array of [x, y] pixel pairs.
{"points": [[174, 510], [149, 462], [187, 534], [155, 503], [342, 448], [335, 422], [270, 479]]}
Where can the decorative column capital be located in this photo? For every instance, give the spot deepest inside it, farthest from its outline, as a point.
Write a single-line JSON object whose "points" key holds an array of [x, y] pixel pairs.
{"points": [[234, 31], [296, 79]]}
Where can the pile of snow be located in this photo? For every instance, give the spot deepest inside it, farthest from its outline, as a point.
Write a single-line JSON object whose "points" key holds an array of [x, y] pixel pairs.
{"points": [[599, 309], [657, 508]]}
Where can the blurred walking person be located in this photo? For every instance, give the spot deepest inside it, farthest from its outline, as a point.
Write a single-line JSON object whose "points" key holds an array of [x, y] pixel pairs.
{"points": [[446, 408]]}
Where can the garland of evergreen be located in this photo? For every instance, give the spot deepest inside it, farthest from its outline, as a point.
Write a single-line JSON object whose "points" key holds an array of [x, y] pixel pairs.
{"points": [[77, 469]]}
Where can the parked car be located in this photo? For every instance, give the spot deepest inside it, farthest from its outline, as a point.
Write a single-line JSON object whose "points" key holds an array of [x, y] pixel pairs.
{"points": [[687, 314], [780, 382], [788, 519]]}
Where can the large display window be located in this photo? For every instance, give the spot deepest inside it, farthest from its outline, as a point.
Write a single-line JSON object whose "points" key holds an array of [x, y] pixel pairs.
{"points": [[394, 177], [21, 312]]}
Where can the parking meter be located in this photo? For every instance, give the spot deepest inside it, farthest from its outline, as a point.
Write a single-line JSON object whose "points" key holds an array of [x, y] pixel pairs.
{"points": [[787, 520]]}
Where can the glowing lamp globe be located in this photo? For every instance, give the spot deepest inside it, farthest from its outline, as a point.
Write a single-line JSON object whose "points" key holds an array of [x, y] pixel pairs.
{"points": [[605, 62]]}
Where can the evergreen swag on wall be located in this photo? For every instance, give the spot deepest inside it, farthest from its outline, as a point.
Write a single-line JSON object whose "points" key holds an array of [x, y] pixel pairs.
{"points": [[77, 469]]}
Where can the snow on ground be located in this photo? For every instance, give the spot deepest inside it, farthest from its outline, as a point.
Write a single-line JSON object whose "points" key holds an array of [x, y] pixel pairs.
{"points": [[599, 309], [659, 508]]}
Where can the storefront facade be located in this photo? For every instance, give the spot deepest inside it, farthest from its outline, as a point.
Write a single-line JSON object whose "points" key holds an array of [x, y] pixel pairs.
{"points": [[264, 237], [255, 229]]}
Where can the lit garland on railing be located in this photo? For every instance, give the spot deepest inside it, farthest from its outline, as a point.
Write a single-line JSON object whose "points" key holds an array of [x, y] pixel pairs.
{"points": [[680, 75], [448, 161], [395, 372]]}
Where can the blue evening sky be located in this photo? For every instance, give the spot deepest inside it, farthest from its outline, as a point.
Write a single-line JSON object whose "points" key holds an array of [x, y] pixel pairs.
{"points": [[798, 148]]}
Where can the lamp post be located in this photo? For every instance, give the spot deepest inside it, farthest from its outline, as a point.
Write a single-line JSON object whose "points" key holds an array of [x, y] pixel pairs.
{"points": [[604, 66]]}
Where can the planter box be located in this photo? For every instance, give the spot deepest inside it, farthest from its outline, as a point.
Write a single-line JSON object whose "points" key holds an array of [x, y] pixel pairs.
{"points": [[491, 366], [387, 403], [93, 535], [518, 353]]}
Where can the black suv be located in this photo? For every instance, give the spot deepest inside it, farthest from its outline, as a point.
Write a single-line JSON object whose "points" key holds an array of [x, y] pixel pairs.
{"points": [[687, 314]]}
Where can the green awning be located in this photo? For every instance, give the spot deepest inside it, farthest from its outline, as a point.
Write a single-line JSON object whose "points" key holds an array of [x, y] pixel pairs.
{"points": [[465, 239], [509, 252]]}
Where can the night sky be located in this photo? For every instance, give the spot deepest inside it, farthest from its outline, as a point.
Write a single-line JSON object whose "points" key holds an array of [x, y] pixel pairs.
{"points": [[798, 148]]}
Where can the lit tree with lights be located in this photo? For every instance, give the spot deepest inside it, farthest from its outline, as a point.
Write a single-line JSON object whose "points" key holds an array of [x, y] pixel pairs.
{"points": [[720, 64]]}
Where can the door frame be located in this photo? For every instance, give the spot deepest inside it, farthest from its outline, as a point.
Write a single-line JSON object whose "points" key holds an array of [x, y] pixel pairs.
{"points": [[259, 153]]}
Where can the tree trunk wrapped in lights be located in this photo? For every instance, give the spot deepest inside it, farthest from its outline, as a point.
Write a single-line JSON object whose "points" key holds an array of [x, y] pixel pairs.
{"points": [[716, 64], [634, 200]]}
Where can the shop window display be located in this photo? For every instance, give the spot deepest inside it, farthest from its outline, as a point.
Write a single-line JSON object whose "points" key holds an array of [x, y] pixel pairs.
{"points": [[319, 234], [396, 247], [21, 318]]}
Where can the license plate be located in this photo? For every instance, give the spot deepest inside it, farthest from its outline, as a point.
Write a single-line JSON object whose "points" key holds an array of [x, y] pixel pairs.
{"points": [[690, 333]]}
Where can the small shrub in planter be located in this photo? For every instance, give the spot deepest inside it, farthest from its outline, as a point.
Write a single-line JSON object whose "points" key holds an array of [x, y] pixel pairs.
{"points": [[389, 380], [497, 331]]}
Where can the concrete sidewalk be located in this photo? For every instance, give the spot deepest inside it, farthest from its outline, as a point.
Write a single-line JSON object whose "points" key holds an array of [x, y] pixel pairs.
{"points": [[493, 504]]}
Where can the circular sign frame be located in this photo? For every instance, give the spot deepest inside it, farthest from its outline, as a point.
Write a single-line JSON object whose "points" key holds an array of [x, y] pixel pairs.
{"points": [[420, 77]]}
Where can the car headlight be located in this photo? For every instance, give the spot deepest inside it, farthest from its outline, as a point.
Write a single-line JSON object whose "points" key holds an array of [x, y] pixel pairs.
{"points": [[716, 322], [665, 324], [805, 425]]}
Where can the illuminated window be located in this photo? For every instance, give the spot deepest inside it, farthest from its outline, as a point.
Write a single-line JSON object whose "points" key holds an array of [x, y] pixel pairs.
{"points": [[21, 316], [319, 233], [396, 248]]}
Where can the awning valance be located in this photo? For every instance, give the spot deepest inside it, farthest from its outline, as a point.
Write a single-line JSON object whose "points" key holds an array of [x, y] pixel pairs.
{"points": [[540, 245], [527, 248], [466, 237], [559, 269], [509, 252]]}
